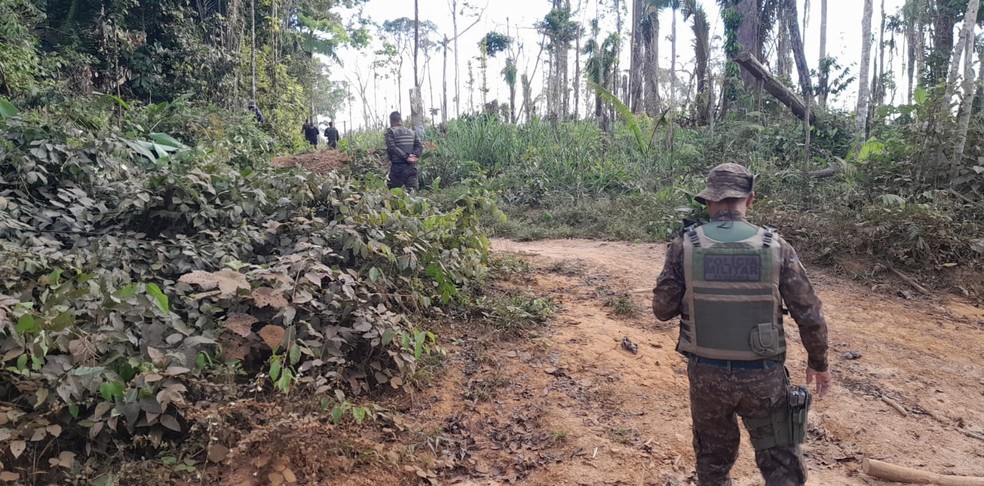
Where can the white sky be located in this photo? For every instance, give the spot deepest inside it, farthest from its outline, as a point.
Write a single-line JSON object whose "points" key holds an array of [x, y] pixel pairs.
{"points": [[843, 43]]}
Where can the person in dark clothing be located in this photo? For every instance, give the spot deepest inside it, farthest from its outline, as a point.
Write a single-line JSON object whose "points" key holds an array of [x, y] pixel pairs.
{"points": [[256, 112], [403, 148], [311, 133], [331, 134]]}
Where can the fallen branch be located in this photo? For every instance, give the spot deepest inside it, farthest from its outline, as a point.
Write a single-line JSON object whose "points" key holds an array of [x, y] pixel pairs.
{"points": [[911, 282], [891, 472], [972, 435], [774, 86], [892, 403]]}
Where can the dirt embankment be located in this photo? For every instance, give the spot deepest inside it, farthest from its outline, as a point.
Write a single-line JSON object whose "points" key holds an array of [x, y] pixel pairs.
{"points": [[568, 405], [320, 162]]}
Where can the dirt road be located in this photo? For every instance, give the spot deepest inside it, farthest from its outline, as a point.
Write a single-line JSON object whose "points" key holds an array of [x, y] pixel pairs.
{"points": [[565, 404], [571, 407]]}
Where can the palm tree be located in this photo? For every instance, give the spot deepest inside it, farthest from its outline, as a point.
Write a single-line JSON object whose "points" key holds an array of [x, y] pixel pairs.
{"points": [[509, 75]]}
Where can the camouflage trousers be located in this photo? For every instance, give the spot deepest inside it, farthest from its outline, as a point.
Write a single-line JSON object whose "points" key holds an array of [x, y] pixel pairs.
{"points": [[403, 175], [718, 395]]}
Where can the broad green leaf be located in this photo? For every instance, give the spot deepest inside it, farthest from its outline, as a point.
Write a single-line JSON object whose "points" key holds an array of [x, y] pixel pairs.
{"points": [[26, 324], [126, 292], [111, 390], [7, 109], [154, 291], [359, 413], [920, 95], [275, 367], [166, 140], [336, 414]]}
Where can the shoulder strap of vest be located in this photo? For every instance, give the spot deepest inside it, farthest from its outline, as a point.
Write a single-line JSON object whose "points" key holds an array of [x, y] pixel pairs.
{"points": [[692, 235], [768, 236]]}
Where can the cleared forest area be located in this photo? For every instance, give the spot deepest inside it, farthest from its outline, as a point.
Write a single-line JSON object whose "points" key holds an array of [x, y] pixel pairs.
{"points": [[192, 294]]}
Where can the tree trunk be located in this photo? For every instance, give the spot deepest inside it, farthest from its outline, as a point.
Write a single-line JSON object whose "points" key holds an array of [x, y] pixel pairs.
{"points": [[911, 30], [891, 472], [577, 73], [635, 62], [802, 69], [878, 89], [444, 84], [863, 91], [774, 85], [970, 90], [457, 82], [416, 98], [966, 35], [749, 36], [652, 69], [942, 46], [673, 46], [824, 69], [784, 61], [618, 49]]}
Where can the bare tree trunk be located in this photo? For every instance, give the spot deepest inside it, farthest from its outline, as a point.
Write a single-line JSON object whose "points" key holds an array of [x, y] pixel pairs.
{"points": [[577, 72], [863, 88], [749, 36], [966, 35], [619, 25], [878, 89], [652, 69], [416, 98], [823, 54], [802, 69], [673, 46], [784, 61], [635, 63], [457, 82], [444, 83], [970, 90]]}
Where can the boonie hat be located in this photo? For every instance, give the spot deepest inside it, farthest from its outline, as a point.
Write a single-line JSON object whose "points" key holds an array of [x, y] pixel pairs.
{"points": [[727, 181]]}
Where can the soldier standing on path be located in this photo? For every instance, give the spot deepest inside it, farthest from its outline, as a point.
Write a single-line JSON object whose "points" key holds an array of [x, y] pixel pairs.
{"points": [[331, 134], [403, 148], [728, 280]]}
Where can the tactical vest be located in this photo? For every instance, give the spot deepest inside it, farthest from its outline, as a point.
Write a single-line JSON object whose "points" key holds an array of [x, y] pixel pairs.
{"points": [[404, 138], [732, 271]]}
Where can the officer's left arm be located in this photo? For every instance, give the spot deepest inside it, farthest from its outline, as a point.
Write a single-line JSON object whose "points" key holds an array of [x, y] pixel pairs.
{"points": [[804, 306]]}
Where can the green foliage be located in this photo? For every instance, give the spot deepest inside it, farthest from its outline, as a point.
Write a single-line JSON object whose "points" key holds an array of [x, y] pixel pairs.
{"points": [[18, 56], [493, 43], [133, 263]]}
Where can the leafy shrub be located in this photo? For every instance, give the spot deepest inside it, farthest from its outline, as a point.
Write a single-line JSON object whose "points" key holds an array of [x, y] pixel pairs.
{"points": [[133, 262]]}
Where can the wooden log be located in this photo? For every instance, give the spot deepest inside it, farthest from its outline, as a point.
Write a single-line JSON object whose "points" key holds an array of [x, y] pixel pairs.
{"points": [[891, 472], [898, 408], [911, 282], [774, 86]]}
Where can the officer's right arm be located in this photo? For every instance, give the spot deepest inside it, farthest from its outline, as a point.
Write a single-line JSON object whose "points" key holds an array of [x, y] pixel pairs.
{"points": [[670, 286]]}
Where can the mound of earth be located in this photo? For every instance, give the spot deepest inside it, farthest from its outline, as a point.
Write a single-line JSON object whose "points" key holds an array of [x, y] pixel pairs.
{"points": [[321, 162]]}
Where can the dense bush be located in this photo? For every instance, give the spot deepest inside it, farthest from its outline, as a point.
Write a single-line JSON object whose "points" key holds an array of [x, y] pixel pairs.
{"points": [[132, 262]]}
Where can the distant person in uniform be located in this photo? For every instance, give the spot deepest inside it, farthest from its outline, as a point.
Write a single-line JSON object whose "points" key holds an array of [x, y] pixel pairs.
{"points": [[256, 112], [311, 133], [331, 134], [403, 149], [728, 281]]}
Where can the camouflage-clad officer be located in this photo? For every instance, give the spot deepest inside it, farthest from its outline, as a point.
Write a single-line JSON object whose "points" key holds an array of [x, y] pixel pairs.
{"points": [[403, 148], [728, 280]]}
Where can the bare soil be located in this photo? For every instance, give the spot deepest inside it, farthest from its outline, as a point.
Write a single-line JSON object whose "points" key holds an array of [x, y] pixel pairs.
{"points": [[567, 404], [320, 162]]}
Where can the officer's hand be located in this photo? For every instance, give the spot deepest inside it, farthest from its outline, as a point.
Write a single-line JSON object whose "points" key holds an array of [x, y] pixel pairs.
{"points": [[823, 380]]}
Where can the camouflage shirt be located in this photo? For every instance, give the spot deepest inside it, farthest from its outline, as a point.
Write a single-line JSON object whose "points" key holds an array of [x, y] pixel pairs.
{"points": [[794, 286]]}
